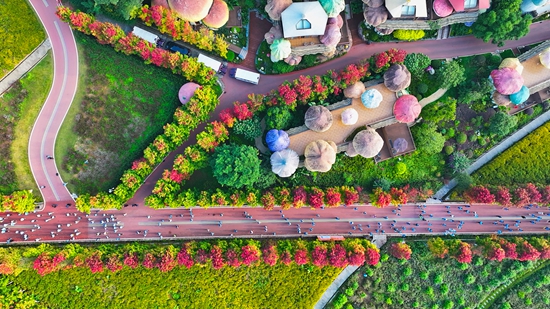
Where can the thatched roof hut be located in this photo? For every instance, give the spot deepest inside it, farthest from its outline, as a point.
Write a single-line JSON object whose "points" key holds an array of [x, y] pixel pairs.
{"points": [[397, 77], [406, 108], [318, 118], [320, 156], [285, 162], [368, 143], [355, 90], [443, 8]]}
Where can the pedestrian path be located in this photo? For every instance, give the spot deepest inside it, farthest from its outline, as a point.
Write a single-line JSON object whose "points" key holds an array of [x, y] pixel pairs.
{"points": [[25, 65], [495, 151]]}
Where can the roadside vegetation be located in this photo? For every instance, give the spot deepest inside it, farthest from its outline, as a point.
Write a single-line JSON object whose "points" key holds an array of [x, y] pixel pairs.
{"points": [[20, 33], [20, 106], [413, 277], [530, 293], [124, 107]]}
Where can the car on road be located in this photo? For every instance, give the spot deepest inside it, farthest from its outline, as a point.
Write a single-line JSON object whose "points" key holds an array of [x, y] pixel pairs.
{"points": [[173, 47]]}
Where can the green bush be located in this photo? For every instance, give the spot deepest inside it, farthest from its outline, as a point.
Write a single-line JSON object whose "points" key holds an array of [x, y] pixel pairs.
{"points": [[230, 56], [436, 64], [278, 117], [416, 63], [408, 35], [281, 67], [461, 138], [236, 165], [448, 149], [427, 139], [450, 133], [249, 128], [339, 301], [502, 123], [422, 88], [482, 141], [441, 110], [400, 168]]}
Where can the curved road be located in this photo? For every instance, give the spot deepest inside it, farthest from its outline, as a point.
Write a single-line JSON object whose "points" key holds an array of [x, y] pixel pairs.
{"points": [[46, 127], [64, 224]]}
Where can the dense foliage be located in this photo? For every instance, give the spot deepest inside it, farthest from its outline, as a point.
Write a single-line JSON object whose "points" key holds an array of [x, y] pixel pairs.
{"points": [[515, 196], [502, 123], [408, 35], [503, 21], [531, 293], [20, 33], [427, 139], [121, 9], [526, 161], [236, 165], [17, 201], [416, 63]]}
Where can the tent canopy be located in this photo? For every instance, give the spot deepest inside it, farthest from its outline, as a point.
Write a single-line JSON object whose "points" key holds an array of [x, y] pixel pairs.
{"points": [[318, 118], [371, 98], [397, 77], [507, 80], [320, 156], [277, 140], [187, 91]]}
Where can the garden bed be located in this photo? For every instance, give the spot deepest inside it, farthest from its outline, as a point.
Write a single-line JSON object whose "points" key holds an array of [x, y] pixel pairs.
{"points": [[368, 34], [266, 66]]}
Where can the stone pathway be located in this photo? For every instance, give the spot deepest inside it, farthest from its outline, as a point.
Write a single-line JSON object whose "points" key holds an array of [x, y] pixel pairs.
{"points": [[434, 97], [495, 151], [25, 65]]}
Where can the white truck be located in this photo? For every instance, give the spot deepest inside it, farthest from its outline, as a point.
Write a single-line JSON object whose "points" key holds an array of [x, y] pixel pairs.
{"points": [[146, 35], [245, 76]]}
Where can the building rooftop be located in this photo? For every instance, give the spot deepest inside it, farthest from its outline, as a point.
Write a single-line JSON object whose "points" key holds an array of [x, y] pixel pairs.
{"points": [[304, 19]]}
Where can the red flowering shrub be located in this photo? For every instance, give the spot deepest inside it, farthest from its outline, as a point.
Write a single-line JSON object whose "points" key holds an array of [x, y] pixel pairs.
{"points": [[337, 256], [270, 255], [227, 117], [396, 55], [301, 257], [167, 261], [372, 256], [495, 253], [522, 197], [503, 196], [351, 196], [542, 245], [545, 198], [302, 87], [398, 196], [381, 62], [299, 197], [250, 255], [44, 264], [319, 256], [509, 249], [283, 197], [216, 255], [232, 258], [479, 194], [94, 263], [401, 251], [534, 195], [201, 257], [464, 253], [241, 111], [357, 256], [316, 198], [184, 257], [526, 251], [286, 258], [268, 200], [381, 199], [334, 198], [113, 263], [149, 261], [131, 260], [287, 95]]}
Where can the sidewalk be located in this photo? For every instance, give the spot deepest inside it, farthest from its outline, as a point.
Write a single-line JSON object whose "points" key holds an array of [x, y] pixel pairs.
{"points": [[24, 66], [498, 149]]}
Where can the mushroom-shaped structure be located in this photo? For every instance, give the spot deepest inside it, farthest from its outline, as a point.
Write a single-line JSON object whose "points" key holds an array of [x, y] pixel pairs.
{"points": [[218, 15], [443, 8], [383, 31], [512, 63], [187, 91], [397, 77], [274, 33], [371, 98], [507, 80], [336, 20], [274, 8], [333, 7], [374, 3], [280, 49], [355, 90], [351, 152], [277, 140], [318, 118], [293, 59], [400, 144], [544, 57], [501, 99], [163, 3], [406, 108], [349, 116], [285, 162], [375, 16], [332, 35], [521, 96], [368, 143], [320, 155], [191, 10]]}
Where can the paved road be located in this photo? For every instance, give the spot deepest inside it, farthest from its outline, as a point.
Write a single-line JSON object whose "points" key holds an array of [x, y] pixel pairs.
{"points": [[46, 127]]}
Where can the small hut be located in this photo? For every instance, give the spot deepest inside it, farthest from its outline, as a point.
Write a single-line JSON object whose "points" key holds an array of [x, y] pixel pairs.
{"points": [[406, 108], [519, 97], [349, 116], [375, 15], [187, 91], [280, 49], [284, 163], [397, 77], [355, 90], [320, 156], [371, 98], [277, 140], [318, 118], [507, 80], [367, 143]]}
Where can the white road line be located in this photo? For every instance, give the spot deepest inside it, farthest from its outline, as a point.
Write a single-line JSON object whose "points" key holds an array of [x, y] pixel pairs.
{"points": [[45, 3]]}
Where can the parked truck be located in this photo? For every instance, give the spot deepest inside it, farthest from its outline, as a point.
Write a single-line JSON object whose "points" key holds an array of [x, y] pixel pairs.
{"points": [[245, 76]]}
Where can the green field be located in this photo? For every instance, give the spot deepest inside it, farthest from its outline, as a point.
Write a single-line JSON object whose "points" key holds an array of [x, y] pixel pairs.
{"points": [[121, 106], [20, 33], [20, 106]]}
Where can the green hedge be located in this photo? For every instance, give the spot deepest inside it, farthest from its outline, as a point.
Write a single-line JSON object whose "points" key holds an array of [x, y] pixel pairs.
{"points": [[20, 33], [524, 162]]}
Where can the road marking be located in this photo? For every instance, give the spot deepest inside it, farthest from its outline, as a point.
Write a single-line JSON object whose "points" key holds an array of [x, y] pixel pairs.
{"points": [[45, 3]]}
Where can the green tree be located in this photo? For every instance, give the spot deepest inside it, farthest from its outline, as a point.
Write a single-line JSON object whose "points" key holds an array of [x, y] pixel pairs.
{"points": [[416, 63], [501, 124], [458, 162], [441, 110], [249, 128], [503, 21], [125, 9], [427, 138], [278, 117], [463, 182], [236, 165], [451, 74], [474, 91]]}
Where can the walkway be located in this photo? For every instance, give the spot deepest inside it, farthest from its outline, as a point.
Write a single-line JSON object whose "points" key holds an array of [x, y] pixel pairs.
{"points": [[46, 127], [25, 65], [498, 149]]}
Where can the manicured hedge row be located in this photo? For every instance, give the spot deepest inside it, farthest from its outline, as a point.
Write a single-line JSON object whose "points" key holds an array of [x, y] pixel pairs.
{"points": [[167, 22], [216, 254], [524, 162], [18, 201], [493, 248]]}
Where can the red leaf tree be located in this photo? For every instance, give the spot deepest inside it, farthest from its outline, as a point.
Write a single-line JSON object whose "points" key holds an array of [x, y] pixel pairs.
{"points": [[401, 251]]}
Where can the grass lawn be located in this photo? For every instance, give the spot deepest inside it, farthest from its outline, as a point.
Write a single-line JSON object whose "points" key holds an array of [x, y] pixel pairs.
{"points": [[121, 106], [199, 287], [20, 33], [20, 107], [427, 282]]}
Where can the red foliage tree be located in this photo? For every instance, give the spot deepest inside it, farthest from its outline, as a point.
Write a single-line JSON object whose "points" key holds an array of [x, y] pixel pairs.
{"points": [[232, 258], [303, 87], [503, 196], [270, 255], [337, 256], [216, 256], [401, 250], [241, 111], [521, 197], [250, 255], [534, 195], [334, 198], [268, 200], [301, 257], [319, 256], [495, 253], [479, 194], [94, 263], [372, 256], [287, 94], [184, 257], [286, 258], [167, 261], [149, 261], [545, 198], [299, 195], [44, 264], [509, 248], [381, 199], [463, 253], [526, 251], [351, 196], [357, 255], [131, 260], [316, 198], [113, 263], [398, 196]]}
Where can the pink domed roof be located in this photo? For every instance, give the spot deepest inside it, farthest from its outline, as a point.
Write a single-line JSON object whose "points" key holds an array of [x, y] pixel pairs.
{"points": [[187, 91], [443, 8], [191, 10], [406, 108], [507, 80], [218, 15]]}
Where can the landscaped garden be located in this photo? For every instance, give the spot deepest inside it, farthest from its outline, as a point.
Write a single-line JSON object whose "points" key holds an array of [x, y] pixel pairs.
{"points": [[240, 273], [21, 105], [447, 273], [20, 33]]}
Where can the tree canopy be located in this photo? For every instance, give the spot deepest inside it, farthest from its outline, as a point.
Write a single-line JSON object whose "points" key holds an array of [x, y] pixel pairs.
{"points": [[427, 138], [416, 63], [503, 21], [451, 74], [124, 9], [236, 165], [502, 123]]}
